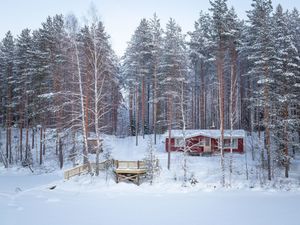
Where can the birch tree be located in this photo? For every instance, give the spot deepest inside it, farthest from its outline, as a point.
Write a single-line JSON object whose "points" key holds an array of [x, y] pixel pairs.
{"points": [[72, 26], [99, 56]]}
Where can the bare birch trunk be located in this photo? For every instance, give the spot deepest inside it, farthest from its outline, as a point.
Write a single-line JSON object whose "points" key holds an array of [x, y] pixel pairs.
{"points": [[84, 132]]}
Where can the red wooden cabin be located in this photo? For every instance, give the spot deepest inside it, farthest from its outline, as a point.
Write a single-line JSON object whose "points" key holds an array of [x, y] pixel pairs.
{"points": [[205, 141]]}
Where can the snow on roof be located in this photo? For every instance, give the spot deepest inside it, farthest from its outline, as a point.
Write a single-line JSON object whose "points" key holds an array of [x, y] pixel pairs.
{"points": [[206, 133]]}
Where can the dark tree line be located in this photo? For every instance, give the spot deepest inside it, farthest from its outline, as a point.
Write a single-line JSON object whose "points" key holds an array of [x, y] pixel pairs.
{"points": [[226, 74]]}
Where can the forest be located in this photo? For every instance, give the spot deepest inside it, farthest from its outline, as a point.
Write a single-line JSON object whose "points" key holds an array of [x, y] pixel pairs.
{"points": [[227, 73]]}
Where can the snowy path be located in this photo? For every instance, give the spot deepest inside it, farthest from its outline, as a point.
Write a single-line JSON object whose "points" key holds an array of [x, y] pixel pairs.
{"points": [[84, 202]]}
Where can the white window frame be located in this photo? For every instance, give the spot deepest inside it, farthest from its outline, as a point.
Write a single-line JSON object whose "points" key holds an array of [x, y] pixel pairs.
{"points": [[203, 143], [234, 144], [179, 142]]}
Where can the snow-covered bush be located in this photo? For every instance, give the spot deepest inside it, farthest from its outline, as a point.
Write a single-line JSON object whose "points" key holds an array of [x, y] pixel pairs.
{"points": [[151, 161]]}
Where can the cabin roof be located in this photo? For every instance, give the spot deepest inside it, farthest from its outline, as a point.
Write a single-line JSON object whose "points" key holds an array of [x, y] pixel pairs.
{"points": [[206, 133]]}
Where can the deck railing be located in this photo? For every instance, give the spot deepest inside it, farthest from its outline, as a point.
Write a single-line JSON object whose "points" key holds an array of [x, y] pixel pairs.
{"points": [[78, 170]]}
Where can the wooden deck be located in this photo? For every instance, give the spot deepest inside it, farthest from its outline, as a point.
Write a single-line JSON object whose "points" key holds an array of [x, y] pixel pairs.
{"points": [[129, 171]]}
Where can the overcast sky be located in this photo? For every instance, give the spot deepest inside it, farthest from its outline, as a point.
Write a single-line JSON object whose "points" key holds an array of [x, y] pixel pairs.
{"points": [[120, 17]]}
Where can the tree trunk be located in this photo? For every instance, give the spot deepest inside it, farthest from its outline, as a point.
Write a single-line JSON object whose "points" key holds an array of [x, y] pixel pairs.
{"points": [[202, 98], [41, 145], [8, 126], [286, 141], [233, 97], [220, 72], [21, 132], [147, 123], [82, 109], [170, 109], [143, 107], [27, 148], [60, 148], [7, 141], [267, 121], [44, 142], [131, 114], [155, 101], [32, 138], [136, 116]]}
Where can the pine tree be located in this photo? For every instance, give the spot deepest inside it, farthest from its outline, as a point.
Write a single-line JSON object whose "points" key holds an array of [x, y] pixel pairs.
{"points": [[24, 77], [137, 68], [233, 43], [220, 12], [174, 67], [286, 75], [293, 23], [157, 41], [261, 55], [8, 78], [201, 57]]}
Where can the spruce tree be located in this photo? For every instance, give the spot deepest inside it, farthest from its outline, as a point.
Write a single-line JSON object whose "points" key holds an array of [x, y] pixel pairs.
{"points": [[286, 75], [9, 83], [261, 55]]}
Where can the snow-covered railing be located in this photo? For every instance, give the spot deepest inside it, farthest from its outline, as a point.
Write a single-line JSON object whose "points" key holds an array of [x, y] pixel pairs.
{"points": [[78, 170], [75, 171], [129, 164]]}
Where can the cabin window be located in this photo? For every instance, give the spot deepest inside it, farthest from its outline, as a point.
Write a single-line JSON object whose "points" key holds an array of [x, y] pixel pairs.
{"points": [[179, 142], [233, 145], [204, 142]]}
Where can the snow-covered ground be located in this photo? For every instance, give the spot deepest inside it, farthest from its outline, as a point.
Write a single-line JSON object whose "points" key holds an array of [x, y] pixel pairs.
{"points": [[45, 198], [29, 200]]}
